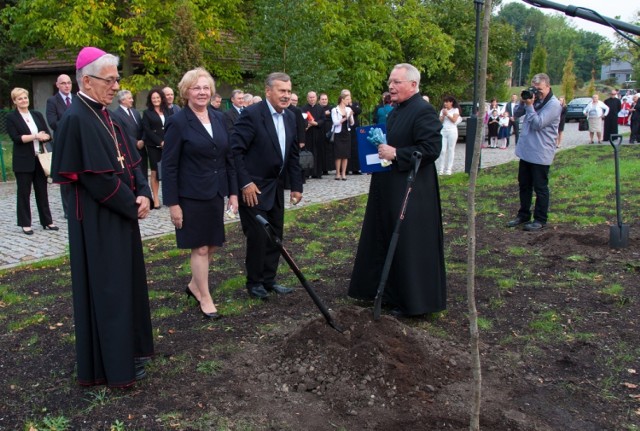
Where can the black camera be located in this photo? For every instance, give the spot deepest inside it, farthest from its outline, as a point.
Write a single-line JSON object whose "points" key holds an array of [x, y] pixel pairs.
{"points": [[529, 93]]}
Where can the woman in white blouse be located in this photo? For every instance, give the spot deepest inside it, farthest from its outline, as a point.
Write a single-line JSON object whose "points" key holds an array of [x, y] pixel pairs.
{"points": [[342, 118], [595, 112], [449, 117]]}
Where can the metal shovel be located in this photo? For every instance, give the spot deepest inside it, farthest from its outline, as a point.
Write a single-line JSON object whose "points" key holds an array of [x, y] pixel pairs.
{"points": [[416, 158], [618, 234], [285, 254]]}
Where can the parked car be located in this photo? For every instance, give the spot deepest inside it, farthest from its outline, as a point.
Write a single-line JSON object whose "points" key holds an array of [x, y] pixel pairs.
{"points": [[465, 112], [576, 107]]}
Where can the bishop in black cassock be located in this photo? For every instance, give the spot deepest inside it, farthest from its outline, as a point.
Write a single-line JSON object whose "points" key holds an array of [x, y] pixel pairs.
{"points": [[107, 196]]}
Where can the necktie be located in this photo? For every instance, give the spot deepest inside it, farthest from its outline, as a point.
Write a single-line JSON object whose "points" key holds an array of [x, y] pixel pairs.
{"points": [[68, 101], [281, 132], [131, 115]]}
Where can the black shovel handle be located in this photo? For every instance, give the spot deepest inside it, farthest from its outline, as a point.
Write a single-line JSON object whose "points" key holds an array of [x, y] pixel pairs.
{"points": [[416, 158], [616, 142], [287, 257]]}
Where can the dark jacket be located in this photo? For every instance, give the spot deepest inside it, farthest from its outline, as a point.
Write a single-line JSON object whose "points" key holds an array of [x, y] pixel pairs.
{"points": [[24, 158], [153, 128], [132, 128], [257, 154], [196, 165], [56, 107], [230, 118]]}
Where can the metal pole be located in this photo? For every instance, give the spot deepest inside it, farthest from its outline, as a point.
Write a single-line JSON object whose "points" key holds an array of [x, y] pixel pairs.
{"points": [[472, 121], [587, 14], [520, 71]]}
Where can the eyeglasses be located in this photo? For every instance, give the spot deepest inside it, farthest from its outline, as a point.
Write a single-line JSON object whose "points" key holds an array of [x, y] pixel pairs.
{"points": [[109, 81], [398, 81], [199, 89]]}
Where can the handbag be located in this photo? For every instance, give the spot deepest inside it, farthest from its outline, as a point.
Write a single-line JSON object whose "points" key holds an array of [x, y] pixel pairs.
{"points": [[306, 159], [45, 160], [331, 135], [583, 125]]}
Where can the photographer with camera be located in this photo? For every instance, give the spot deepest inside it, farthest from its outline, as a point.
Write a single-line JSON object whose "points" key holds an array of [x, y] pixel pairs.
{"points": [[536, 149]]}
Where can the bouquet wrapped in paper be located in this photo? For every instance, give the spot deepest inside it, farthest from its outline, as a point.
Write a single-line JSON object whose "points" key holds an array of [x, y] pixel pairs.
{"points": [[376, 137]]}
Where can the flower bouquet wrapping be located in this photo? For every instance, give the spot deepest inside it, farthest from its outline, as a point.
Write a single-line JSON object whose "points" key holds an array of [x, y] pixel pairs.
{"points": [[376, 137]]}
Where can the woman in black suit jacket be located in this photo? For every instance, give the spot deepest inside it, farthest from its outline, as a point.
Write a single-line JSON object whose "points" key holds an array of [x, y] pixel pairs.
{"points": [[153, 123], [29, 132], [197, 174]]}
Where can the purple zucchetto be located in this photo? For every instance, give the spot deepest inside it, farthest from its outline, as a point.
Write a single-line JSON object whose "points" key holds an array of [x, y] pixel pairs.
{"points": [[88, 55]]}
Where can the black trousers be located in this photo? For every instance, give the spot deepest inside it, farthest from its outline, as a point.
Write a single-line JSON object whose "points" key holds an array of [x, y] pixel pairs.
{"points": [[24, 181], [533, 177], [516, 130], [263, 255]]}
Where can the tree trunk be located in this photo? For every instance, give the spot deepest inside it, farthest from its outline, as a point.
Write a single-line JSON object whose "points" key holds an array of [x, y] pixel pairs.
{"points": [[474, 424]]}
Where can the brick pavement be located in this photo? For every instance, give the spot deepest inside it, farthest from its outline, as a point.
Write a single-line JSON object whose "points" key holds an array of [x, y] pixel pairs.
{"points": [[17, 248]]}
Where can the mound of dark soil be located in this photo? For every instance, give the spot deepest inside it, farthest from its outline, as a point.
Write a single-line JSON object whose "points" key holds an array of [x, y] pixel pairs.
{"points": [[375, 375]]}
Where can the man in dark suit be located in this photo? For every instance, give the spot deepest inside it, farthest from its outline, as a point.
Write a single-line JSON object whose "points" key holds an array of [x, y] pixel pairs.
{"points": [[232, 114], [513, 121], [57, 105], [264, 143], [131, 122]]}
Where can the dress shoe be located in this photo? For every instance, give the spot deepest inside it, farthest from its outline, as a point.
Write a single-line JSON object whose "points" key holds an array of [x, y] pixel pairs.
{"points": [[190, 293], [141, 373], [27, 231], [517, 221], [279, 289], [534, 226], [257, 292], [398, 313], [51, 227], [213, 316]]}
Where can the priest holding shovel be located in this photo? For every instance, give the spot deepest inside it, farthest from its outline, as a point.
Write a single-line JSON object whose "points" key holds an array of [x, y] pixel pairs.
{"points": [[416, 282]]}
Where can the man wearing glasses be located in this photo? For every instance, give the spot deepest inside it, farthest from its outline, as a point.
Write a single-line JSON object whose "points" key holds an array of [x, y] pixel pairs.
{"points": [[107, 195], [536, 149], [417, 279]]}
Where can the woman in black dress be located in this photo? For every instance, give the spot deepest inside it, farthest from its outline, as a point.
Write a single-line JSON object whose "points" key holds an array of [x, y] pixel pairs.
{"points": [[153, 124], [29, 132], [198, 173], [342, 119]]}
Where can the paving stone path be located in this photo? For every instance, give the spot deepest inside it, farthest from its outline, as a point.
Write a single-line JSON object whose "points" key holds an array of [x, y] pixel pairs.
{"points": [[17, 248]]}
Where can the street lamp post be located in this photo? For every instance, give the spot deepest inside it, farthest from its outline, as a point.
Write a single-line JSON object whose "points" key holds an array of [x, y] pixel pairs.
{"points": [[472, 121]]}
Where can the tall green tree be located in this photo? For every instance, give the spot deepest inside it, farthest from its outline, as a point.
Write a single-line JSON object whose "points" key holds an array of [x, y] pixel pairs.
{"points": [[591, 88], [139, 31], [568, 79], [538, 61], [328, 45], [185, 51]]}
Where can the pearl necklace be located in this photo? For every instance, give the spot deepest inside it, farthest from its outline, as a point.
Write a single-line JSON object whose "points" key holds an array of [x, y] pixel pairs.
{"points": [[111, 132]]}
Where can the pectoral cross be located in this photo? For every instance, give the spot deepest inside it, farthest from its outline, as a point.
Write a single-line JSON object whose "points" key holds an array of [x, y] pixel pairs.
{"points": [[121, 160]]}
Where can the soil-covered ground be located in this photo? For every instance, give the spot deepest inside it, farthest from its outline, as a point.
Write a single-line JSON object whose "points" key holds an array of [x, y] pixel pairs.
{"points": [[559, 340]]}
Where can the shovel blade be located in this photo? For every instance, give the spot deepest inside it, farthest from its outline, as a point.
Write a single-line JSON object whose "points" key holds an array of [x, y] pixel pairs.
{"points": [[619, 236]]}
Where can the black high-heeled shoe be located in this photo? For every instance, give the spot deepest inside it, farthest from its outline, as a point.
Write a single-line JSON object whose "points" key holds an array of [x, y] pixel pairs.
{"points": [[213, 316], [190, 293], [27, 232], [50, 227]]}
